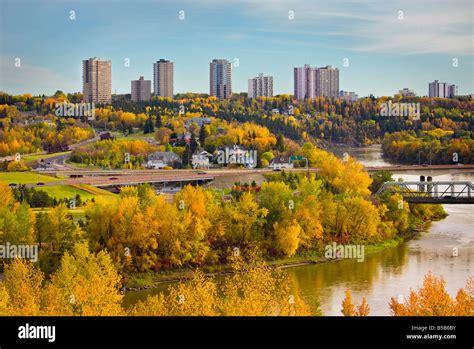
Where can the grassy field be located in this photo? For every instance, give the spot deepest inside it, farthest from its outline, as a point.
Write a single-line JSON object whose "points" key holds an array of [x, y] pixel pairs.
{"points": [[94, 191], [25, 178], [86, 192], [82, 166], [43, 156], [134, 136], [76, 214], [65, 191]]}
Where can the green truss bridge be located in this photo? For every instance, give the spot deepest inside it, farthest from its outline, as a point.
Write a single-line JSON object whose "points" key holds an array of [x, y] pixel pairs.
{"points": [[443, 192]]}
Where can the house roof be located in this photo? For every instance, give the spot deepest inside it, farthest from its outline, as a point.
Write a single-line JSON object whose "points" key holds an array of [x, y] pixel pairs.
{"points": [[165, 156], [281, 160]]}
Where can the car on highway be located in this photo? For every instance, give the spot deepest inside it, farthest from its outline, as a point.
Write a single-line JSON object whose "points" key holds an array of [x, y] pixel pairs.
{"points": [[113, 178], [13, 185], [40, 183]]}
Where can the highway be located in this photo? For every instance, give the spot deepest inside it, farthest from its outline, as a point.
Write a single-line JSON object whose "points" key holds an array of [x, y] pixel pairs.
{"points": [[105, 178], [110, 178]]}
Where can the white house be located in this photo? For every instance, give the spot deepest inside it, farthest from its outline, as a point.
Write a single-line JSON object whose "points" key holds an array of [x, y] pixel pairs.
{"points": [[201, 160], [280, 163], [160, 159], [155, 164]]}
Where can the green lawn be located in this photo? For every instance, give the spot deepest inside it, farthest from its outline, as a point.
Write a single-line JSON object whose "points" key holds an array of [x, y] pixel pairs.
{"points": [[59, 191], [25, 178], [86, 192], [77, 214], [68, 191], [82, 166], [134, 136], [43, 156], [65, 191]]}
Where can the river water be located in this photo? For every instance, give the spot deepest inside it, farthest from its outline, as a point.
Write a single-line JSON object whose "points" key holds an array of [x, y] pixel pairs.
{"points": [[393, 271]]}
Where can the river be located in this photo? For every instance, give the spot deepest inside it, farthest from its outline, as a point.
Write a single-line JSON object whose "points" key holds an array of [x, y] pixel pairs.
{"points": [[390, 272]]}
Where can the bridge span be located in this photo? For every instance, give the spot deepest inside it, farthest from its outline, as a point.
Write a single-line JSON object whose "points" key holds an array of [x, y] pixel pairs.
{"points": [[441, 192]]}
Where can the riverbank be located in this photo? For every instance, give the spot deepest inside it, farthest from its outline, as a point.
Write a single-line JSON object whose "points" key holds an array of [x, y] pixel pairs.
{"points": [[149, 280], [137, 281]]}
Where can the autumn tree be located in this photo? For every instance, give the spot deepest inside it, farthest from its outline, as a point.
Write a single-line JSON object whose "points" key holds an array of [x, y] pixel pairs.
{"points": [[254, 289], [62, 232], [287, 235], [432, 299], [85, 284], [243, 221], [349, 309], [21, 288], [198, 211], [351, 219], [17, 220]]}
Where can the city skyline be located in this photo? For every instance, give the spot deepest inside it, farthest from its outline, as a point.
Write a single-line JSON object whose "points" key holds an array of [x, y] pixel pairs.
{"points": [[254, 36]]}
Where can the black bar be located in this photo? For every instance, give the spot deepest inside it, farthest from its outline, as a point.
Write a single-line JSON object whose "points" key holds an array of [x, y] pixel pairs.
{"points": [[319, 331]]}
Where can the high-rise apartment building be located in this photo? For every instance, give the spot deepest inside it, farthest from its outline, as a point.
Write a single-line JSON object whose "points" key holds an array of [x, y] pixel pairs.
{"points": [[141, 90], [163, 78], [97, 81], [327, 81], [438, 89], [260, 86], [220, 78], [311, 82], [452, 91], [304, 82]]}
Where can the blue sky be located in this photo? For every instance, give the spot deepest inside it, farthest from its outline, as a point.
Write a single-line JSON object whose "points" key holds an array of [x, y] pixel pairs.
{"points": [[386, 49]]}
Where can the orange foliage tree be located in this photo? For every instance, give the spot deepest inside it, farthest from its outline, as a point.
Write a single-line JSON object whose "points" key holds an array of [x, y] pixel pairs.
{"points": [[432, 299]]}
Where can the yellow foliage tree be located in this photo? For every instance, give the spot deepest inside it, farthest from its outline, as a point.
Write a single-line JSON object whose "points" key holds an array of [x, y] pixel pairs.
{"points": [[85, 284], [349, 309], [287, 237], [23, 285], [254, 289]]}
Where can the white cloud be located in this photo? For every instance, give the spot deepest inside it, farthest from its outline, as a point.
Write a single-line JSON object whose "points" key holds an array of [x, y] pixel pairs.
{"points": [[28, 78], [429, 26]]}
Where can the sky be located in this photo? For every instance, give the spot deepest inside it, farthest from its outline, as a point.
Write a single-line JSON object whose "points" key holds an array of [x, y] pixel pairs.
{"points": [[379, 46]]}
